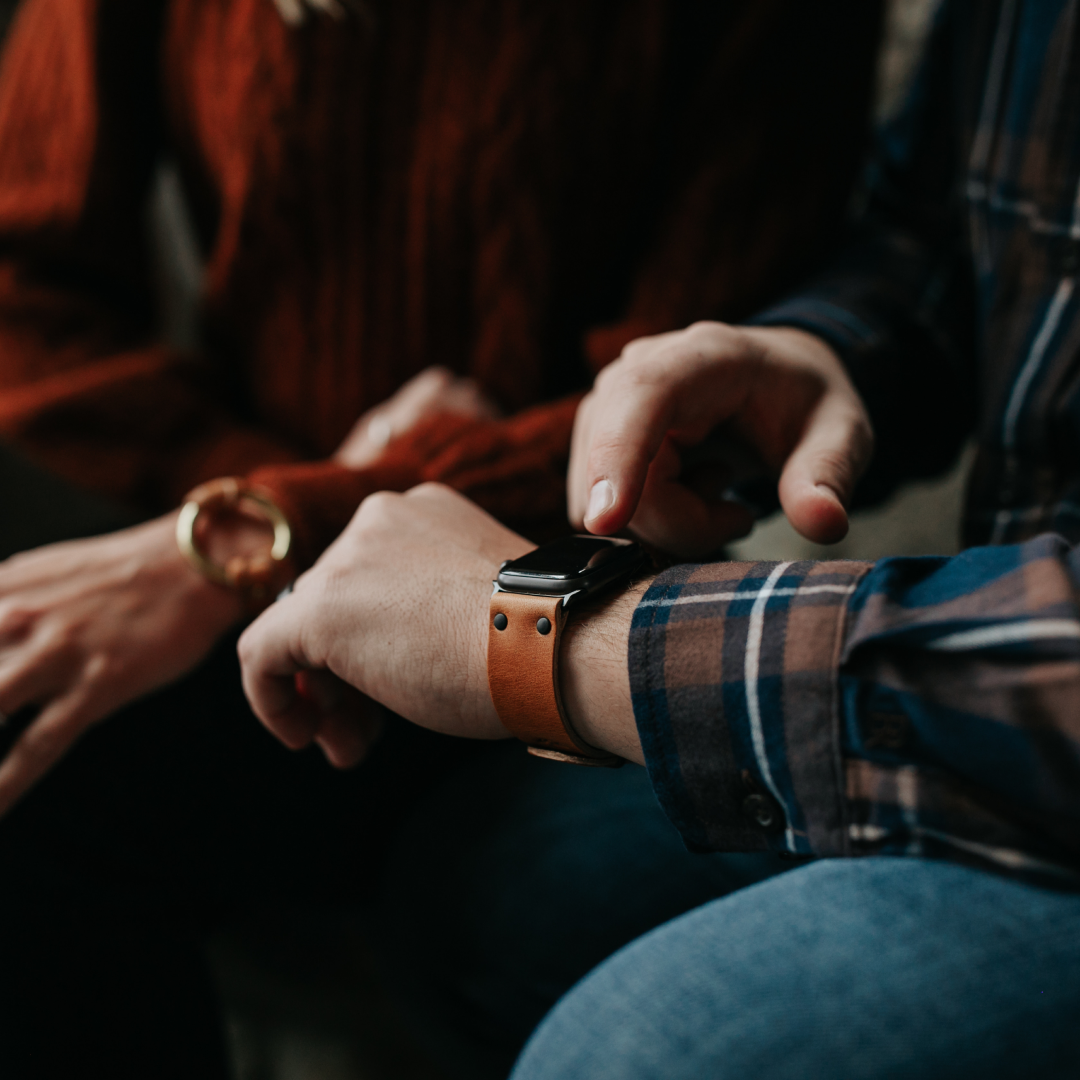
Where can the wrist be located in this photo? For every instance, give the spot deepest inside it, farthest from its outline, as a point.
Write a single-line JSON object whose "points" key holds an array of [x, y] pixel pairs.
{"points": [[805, 340], [529, 610], [594, 679], [163, 570], [234, 535], [224, 605]]}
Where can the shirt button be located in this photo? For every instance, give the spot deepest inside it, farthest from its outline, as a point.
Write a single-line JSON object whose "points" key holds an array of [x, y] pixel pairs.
{"points": [[763, 812], [886, 731]]}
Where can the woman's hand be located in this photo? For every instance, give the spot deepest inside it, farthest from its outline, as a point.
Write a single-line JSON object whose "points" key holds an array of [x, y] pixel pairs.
{"points": [[396, 608], [434, 390], [88, 626], [781, 392]]}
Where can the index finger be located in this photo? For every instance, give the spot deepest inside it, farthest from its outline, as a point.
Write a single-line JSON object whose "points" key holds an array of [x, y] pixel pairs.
{"points": [[270, 660], [664, 385]]}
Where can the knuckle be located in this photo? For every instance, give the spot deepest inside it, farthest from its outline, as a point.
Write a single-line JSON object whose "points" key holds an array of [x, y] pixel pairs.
{"points": [[634, 377], [612, 443], [642, 375], [713, 340], [438, 375], [429, 489], [470, 394], [840, 464], [376, 508], [16, 619], [47, 741], [633, 351], [838, 461], [20, 560], [254, 646], [57, 636], [246, 647], [606, 376], [708, 328], [103, 668], [622, 448]]}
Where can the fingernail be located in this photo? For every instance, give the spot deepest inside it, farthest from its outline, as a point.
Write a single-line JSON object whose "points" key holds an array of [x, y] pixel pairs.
{"points": [[831, 492], [601, 498]]}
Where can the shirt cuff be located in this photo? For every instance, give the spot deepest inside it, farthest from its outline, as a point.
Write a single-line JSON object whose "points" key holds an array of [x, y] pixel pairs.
{"points": [[836, 325], [734, 676]]}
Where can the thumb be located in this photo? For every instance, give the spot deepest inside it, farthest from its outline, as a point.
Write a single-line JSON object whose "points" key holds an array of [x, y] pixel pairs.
{"points": [[684, 383], [819, 476]]}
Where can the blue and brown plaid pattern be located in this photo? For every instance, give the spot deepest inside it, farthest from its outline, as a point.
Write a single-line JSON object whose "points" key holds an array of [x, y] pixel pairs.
{"points": [[916, 706], [718, 654], [955, 305]]}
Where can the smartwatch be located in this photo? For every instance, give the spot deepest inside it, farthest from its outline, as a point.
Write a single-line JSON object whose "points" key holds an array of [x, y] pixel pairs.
{"points": [[529, 605]]}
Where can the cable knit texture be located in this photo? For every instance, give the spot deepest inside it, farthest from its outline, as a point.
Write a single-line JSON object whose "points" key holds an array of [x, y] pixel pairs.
{"points": [[511, 189]]}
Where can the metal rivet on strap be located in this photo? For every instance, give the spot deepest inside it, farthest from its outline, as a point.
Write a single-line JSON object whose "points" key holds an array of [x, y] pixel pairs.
{"points": [[500, 621], [543, 625]]}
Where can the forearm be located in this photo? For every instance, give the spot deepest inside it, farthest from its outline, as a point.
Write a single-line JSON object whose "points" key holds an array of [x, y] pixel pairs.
{"points": [[593, 674]]}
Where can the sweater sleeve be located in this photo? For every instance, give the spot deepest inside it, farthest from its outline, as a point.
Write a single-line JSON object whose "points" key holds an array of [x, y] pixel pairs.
{"points": [[514, 468], [920, 707], [84, 387]]}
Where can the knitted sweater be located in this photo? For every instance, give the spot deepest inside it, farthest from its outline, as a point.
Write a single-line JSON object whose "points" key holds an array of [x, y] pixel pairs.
{"points": [[509, 188]]}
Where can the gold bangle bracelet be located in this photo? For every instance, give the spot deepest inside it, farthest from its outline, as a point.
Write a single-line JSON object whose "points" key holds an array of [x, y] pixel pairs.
{"points": [[240, 573]]}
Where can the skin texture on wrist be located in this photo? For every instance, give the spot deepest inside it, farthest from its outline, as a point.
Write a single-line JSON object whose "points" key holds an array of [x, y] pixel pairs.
{"points": [[594, 680]]}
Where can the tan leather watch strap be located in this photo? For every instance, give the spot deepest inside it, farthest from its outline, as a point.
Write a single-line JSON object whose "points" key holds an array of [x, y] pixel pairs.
{"points": [[523, 673]]}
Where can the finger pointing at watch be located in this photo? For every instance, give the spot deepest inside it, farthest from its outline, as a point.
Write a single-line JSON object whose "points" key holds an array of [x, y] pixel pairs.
{"points": [[781, 392]]}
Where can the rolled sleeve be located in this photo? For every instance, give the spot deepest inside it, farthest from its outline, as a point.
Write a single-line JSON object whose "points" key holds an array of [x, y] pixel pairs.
{"points": [[916, 706], [832, 321], [733, 670]]}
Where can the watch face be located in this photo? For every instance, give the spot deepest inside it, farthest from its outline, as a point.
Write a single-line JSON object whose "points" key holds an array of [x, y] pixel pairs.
{"points": [[572, 563]]}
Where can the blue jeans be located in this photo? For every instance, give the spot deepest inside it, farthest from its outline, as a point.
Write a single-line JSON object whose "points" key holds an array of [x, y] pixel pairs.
{"points": [[515, 878], [869, 969]]}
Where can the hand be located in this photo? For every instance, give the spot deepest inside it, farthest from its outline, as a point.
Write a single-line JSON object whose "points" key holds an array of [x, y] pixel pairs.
{"points": [[90, 625], [434, 390], [782, 392], [395, 608]]}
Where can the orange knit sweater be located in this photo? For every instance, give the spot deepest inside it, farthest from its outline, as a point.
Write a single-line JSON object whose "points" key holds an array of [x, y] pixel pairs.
{"points": [[513, 189]]}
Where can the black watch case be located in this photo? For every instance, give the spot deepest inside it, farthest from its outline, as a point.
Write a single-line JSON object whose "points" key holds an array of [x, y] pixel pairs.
{"points": [[574, 567]]}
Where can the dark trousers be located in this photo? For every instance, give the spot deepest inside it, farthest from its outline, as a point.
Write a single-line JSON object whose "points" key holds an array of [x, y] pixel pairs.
{"points": [[494, 880]]}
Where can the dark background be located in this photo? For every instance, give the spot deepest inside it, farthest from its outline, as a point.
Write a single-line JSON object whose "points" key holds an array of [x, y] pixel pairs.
{"points": [[7, 7]]}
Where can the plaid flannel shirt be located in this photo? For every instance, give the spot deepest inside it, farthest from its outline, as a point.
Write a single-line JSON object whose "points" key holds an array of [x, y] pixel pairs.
{"points": [[924, 706]]}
